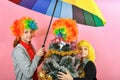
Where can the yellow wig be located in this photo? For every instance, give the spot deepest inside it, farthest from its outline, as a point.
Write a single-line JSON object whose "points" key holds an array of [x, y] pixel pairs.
{"points": [[91, 52]]}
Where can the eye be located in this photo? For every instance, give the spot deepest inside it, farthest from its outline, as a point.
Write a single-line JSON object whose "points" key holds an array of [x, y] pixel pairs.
{"points": [[25, 32], [32, 32], [85, 48]]}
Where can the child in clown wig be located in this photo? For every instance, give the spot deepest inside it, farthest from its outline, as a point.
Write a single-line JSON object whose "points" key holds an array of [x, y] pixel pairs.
{"points": [[25, 59]]}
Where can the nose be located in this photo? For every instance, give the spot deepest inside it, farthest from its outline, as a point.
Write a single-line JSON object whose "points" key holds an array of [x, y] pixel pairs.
{"points": [[30, 34]]}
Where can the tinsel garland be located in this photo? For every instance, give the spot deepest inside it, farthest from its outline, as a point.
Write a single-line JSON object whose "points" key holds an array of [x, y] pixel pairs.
{"points": [[61, 53]]}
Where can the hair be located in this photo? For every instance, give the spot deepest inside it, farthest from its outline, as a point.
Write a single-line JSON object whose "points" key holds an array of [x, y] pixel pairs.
{"points": [[20, 25], [16, 41], [66, 29], [91, 52]]}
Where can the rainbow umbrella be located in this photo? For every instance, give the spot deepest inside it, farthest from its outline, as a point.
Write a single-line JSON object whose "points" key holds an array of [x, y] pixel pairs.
{"points": [[83, 11]]}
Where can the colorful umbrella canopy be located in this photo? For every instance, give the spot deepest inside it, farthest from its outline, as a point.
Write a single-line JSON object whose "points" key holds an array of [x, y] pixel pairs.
{"points": [[83, 11]]}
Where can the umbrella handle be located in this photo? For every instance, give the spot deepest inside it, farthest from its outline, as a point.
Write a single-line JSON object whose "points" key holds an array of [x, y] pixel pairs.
{"points": [[43, 45], [50, 23]]}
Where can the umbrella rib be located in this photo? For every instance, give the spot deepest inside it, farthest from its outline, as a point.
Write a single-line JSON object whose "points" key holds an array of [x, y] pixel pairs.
{"points": [[50, 23]]}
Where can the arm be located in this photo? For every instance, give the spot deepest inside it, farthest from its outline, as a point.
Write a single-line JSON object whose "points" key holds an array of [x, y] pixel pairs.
{"points": [[22, 61], [90, 72], [64, 76]]}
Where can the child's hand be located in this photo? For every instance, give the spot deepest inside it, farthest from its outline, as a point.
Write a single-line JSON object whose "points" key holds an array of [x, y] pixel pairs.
{"points": [[64, 76], [40, 52]]}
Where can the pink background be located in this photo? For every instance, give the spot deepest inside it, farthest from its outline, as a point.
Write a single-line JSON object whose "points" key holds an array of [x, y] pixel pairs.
{"points": [[105, 40]]}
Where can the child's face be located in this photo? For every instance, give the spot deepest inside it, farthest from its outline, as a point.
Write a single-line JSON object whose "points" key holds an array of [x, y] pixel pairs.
{"points": [[83, 51], [27, 35]]}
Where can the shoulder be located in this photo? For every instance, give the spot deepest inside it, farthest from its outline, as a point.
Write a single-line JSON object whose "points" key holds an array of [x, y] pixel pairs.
{"points": [[18, 50], [19, 47], [90, 64]]}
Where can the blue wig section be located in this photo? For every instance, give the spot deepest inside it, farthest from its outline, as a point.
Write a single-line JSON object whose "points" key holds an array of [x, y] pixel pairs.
{"points": [[30, 24]]}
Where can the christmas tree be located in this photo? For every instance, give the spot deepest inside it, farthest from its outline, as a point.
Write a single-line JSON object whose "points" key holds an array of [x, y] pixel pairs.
{"points": [[62, 51]]}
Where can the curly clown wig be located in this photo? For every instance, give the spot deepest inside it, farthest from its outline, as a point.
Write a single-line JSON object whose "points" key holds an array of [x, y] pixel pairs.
{"points": [[91, 52], [19, 25], [66, 29]]}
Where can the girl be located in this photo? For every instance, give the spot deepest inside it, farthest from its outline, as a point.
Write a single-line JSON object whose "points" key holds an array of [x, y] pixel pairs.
{"points": [[25, 59], [87, 69]]}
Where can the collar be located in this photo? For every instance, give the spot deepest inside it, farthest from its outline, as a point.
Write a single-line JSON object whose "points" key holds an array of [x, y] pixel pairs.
{"points": [[27, 46]]}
